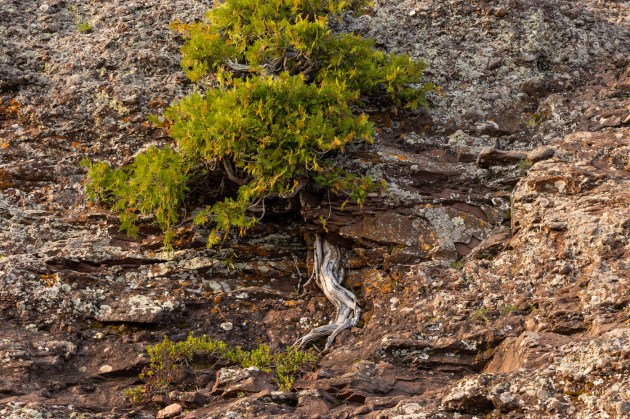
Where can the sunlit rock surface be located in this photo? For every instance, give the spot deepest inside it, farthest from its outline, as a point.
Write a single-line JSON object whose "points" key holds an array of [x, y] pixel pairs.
{"points": [[493, 272]]}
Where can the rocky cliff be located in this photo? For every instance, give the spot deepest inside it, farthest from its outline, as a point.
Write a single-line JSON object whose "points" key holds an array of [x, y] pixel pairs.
{"points": [[493, 273]]}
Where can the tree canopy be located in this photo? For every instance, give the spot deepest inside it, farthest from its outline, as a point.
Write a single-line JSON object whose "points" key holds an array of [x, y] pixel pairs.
{"points": [[279, 97]]}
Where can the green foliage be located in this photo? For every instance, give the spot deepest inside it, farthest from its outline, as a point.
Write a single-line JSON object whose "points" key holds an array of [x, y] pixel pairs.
{"points": [[153, 184], [457, 264], [290, 364], [134, 394], [228, 262], [274, 130], [270, 36], [481, 314], [83, 26], [166, 357], [510, 308], [524, 165], [280, 102], [534, 121]]}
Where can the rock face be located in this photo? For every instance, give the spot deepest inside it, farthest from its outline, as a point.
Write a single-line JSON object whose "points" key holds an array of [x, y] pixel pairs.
{"points": [[493, 273]]}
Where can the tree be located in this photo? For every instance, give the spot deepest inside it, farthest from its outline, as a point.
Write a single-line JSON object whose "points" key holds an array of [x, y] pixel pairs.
{"points": [[279, 99]]}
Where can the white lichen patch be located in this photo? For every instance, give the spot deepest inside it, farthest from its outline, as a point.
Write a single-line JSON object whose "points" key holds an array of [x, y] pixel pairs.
{"points": [[135, 309], [453, 229], [143, 304]]}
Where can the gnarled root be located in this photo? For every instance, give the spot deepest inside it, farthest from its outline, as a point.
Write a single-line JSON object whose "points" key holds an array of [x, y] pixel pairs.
{"points": [[328, 274]]}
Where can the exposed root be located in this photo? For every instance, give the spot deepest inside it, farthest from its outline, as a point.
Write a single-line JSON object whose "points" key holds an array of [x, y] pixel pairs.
{"points": [[328, 274]]}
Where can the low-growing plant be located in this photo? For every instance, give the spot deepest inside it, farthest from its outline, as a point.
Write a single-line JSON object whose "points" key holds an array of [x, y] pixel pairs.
{"points": [[509, 308], [534, 120], [279, 98], [457, 264], [82, 25], [166, 357], [228, 262], [134, 394], [525, 165], [291, 363], [480, 314]]}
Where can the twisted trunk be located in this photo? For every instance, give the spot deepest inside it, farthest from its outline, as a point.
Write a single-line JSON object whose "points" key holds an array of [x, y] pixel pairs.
{"points": [[230, 172], [328, 274]]}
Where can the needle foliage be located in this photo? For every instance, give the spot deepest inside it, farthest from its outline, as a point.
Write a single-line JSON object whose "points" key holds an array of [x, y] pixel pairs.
{"points": [[279, 97]]}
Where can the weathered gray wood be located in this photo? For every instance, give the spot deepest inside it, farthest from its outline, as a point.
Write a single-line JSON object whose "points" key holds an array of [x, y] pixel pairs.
{"points": [[328, 274]]}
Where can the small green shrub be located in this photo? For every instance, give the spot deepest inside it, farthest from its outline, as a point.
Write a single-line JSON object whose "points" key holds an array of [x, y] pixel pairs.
{"points": [[134, 394], [510, 308], [279, 98], [481, 314], [290, 364], [82, 25], [457, 264], [166, 357], [153, 184], [525, 165]]}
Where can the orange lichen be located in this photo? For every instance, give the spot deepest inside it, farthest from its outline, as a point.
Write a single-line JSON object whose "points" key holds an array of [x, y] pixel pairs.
{"points": [[10, 109], [375, 284], [428, 241], [49, 279], [4, 182]]}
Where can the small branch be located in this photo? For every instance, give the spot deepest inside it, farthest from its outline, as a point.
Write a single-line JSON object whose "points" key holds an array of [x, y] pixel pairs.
{"points": [[297, 268], [268, 68], [306, 284], [256, 206], [238, 68], [263, 210], [260, 290]]}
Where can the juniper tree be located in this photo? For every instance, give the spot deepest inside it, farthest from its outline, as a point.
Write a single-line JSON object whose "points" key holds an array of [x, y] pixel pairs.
{"points": [[279, 94]]}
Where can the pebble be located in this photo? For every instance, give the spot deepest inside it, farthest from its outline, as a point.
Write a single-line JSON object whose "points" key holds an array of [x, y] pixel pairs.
{"points": [[105, 369], [74, 80]]}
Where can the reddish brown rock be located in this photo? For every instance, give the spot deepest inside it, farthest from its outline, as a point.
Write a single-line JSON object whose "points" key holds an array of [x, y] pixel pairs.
{"points": [[312, 405], [530, 351], [493, 157], [232, 381]]}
